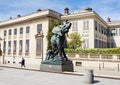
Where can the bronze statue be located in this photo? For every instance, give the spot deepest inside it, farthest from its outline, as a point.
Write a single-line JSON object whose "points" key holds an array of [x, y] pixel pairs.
{"points": [[58, 42]]}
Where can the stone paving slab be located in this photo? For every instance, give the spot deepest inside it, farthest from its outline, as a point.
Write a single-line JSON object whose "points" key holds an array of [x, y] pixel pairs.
{"points": [[10, 76], [80, 71]]}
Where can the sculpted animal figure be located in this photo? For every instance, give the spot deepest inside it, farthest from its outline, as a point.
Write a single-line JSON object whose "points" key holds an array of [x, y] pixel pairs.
{"points": [[58, 40]]}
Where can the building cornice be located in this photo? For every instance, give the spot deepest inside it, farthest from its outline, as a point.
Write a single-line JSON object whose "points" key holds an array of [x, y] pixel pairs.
{"points": [[76, 16], [36, 15], [114, 24], [84, 15]]}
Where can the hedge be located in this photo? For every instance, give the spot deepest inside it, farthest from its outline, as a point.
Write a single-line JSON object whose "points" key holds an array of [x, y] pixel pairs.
{"points": [[94, 51]]}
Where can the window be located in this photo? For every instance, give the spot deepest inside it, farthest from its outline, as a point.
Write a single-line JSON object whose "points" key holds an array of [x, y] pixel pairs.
{"points": [[96, 25], [119, 31], [15, 31], [4, 48], [74, 26], [27, 46], [100, 44], [96, 45], [10, 32], [21, 30], [14, 46], [113, 45], [5, 32], [99, 28], [20, 46], [86, 25], [9, 47], [39, 28], [108, 45], [86, 43], [105, 31], [38, 46], [114, 32], [27, 29], [102, 29], [108, 32]]}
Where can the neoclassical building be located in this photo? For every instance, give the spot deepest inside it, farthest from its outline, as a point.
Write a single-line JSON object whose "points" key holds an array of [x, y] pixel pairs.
{"points": [[25, 36]]}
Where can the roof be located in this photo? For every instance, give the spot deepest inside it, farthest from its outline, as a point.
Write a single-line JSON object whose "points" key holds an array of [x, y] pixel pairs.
{"points": [[115, 23], [83, 14], [35, 15]]}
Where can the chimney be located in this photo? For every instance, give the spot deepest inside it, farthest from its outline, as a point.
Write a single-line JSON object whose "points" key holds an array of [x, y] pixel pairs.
{"points": [[66, 11], [108, 19], [38, 10], [18, 15], [88, 9], [10, 17]]}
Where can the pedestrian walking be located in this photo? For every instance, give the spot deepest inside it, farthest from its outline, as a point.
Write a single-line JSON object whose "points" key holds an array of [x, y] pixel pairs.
{"points": [[23, 62]]}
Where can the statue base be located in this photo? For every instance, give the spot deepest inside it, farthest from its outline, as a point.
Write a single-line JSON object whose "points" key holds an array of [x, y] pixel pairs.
{"points": [[65, 66]]}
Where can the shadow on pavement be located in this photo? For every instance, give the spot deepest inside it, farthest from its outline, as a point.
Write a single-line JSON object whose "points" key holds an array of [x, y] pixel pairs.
{"points": [[96, 81], [1, 69]]}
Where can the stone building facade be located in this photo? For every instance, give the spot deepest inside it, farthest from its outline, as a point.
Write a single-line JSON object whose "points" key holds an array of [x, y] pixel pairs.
{"points": [[25, 36]]}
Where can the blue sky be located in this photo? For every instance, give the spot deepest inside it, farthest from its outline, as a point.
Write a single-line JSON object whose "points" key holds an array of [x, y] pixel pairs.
{"points": [[105, 8]]}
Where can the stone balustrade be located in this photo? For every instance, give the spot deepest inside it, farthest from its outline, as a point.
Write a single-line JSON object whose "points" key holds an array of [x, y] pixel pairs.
{"points": [[108, 57]]}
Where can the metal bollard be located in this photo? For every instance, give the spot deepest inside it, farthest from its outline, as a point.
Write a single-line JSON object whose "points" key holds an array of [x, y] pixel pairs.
{"points": [[99, 66], [88, 76]]}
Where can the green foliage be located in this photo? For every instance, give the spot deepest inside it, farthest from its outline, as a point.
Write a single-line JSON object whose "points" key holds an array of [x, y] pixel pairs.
{"points": [[94, 51], [75, 40], [52, 24]]}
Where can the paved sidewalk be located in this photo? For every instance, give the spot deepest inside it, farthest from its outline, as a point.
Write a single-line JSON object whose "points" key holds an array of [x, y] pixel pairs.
{"points": [[10, 76], [28, 66], [79, 71]]}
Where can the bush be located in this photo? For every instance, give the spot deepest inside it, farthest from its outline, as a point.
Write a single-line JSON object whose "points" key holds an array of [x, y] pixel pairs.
{"points": [[94, 51]]}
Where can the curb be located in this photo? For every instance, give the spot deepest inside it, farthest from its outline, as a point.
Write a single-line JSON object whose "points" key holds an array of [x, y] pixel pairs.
{"points": [[66, 73]]}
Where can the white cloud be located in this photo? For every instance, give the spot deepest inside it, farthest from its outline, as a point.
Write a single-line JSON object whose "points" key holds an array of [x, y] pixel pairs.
{"points": [[105, 8]]}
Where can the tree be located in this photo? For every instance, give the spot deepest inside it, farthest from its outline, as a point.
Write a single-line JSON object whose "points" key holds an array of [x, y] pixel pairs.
{"points": [[74, 40], [52, 24]]}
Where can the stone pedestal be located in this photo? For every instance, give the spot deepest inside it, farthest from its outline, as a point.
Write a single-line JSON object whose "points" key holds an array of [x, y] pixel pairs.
{"points": [[64, 66], [88, 76]]}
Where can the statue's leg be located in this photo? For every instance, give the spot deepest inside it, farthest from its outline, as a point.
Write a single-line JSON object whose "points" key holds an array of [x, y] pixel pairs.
{"points": [[59, 45], [60, 51], [65, 55]]}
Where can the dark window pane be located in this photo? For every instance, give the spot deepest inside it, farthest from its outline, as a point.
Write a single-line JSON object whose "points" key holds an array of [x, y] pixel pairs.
{"points": [[21, 30], [9, 46], [15, 31], [20, 45], [10, 32], [5, 32], [39, 28], [14, 46], [27, 46], [27, 29], [4, 48]]}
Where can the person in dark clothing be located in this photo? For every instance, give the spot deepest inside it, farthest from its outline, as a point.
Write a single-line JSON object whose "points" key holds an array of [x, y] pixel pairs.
{"points": [[23, 62]]}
